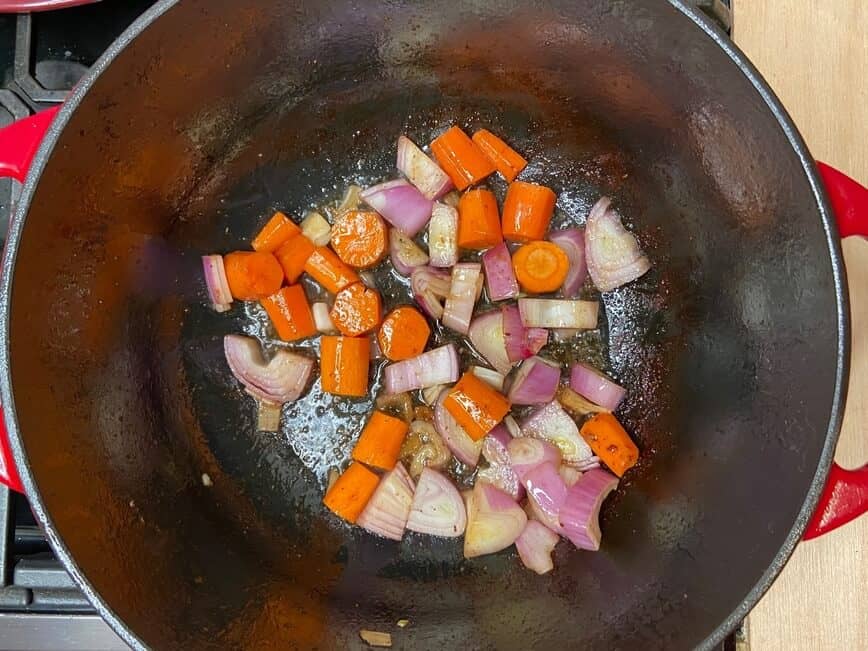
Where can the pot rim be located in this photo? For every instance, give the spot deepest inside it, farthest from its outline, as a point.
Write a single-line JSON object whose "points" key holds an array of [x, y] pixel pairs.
{"points": [[714, 32]]}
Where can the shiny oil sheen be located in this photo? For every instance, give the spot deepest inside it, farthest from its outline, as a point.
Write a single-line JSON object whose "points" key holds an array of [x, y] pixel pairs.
{"points": [[220, 112]]}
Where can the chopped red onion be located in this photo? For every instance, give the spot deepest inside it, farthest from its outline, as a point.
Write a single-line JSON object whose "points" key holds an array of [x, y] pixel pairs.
{"points": [[486, 335], [405, 254], [323, 320], [512, 426], [546, 490], [535, 546], [587, 464], [280, 380], [437, 507], [613, 254], [535, 382], [465, 449], [491, 378], [499, 472], [443, 236], [430, 394], [553, 424], [558, 313], [387, 511], [521, 342], [572, 242], [315, 228], [494, 521], [218, 285], [400, 204], [569, 475], [465, 289], [421, 171], [525, 454], [430, 286], [499, 275], [596, 387], [580, 514], [436, 366]]}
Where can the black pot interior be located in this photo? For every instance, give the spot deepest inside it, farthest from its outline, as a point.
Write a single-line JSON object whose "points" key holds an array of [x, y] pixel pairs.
{"points": [[221, 112]]}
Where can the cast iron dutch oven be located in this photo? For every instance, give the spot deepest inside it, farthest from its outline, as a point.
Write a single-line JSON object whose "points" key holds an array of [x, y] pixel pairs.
{"points": [[206, 115]]}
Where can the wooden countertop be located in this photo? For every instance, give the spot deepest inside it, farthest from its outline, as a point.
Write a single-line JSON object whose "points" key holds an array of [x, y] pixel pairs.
{"points": [[814, 53]]}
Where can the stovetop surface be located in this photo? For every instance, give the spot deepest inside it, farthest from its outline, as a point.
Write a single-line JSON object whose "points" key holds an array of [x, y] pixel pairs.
{"points": [[42, 56]]}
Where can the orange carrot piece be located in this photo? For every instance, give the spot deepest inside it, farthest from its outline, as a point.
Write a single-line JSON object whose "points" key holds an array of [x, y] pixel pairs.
{"points": [[290, 313], [478, 220], [507, 161], [462, 160], [476, 406], [359, 238], [610, 441], [292, 256], [540, 267], [403, 334], [277, 231], [344, 365], [527, 211], [252, 274], [356, 310], [351, 491], [327, 269], [379, 444]]}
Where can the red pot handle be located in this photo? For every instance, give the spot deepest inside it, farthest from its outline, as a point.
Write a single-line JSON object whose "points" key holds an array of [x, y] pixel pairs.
{"points": [[845, 495], [18, 144]]}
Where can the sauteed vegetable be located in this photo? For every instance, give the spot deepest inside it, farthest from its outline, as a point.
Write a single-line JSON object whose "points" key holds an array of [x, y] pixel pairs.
{"points": [[532, 480]]}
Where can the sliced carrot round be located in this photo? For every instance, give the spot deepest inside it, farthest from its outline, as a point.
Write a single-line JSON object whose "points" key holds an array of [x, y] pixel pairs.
{"points": [[540, 267], [356, 310], [252, 274], [359, 238], [403, 334]]}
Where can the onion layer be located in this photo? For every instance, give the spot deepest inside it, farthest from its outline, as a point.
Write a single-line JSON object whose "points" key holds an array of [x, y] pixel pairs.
{"points": [[400, 204], [521, 342], [499, 472], [443, 236], [486, 335], [465, 449], [535, 382], [430, 286], [546, 490], [596, 387], [551, 423], [315, 228], [421, 171], [535, 546], [387, 511], [499, 274], [613, 254], [280, 380], [558, 313], [404, 253], [437, 507], [580, 513], [215, 280], [323, 320], [492, 378], [525, 454], [436, 366], [494, 521], [463, 292], [572, 242]]}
